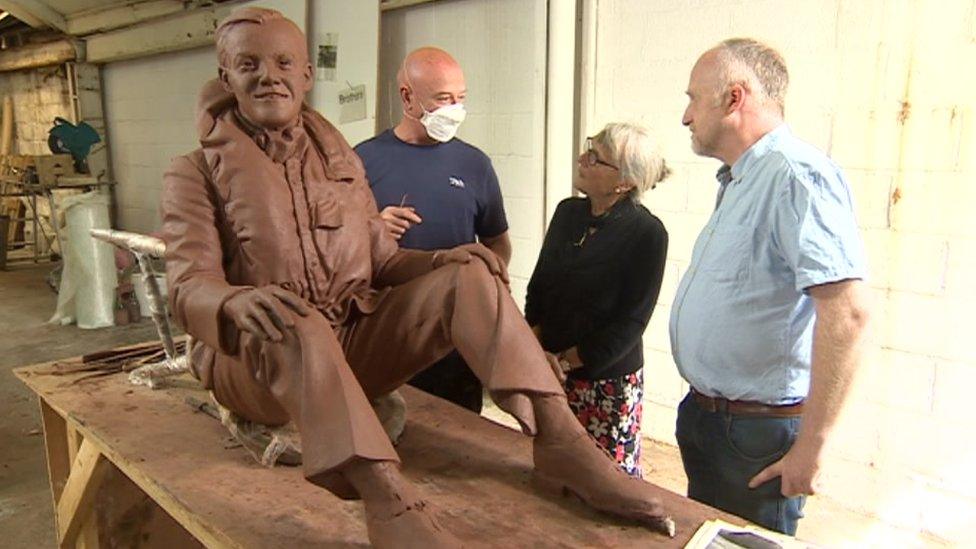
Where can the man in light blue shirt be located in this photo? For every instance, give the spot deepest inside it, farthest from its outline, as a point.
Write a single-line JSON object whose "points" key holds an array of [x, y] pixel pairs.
{"points": [[768, 321]]}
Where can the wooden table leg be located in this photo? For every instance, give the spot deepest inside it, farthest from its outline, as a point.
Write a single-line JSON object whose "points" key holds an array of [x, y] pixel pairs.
{"points": [[62, 442], [75, 509], [56, 447], [88, 536]]}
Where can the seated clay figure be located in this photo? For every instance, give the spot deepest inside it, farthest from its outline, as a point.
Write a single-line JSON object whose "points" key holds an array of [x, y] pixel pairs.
{"points": [[304, 308]]}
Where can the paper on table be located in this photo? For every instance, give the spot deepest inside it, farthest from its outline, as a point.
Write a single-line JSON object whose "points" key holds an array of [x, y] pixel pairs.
{"points": [[718, 534]]}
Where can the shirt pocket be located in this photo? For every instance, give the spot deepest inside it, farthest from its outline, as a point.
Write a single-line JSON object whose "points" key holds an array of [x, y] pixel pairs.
{"points": [[327, 215], [728, 256]]}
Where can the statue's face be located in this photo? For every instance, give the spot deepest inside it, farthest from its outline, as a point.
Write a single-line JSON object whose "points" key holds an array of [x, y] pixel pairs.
{"points": [[267, 71]]}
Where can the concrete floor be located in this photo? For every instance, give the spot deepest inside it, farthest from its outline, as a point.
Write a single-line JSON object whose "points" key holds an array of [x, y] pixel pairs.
{"points": [[26, 519], [26, 511]]}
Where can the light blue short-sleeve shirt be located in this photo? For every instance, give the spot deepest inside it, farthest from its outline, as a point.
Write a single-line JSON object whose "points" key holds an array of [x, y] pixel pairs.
{"points": [[742, 322]]}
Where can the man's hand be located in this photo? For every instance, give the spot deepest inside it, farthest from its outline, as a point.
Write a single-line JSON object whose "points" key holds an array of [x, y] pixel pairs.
{"points": [[465, 252], [557, 368], [264, 312], [838, 336], [798, 469], [398, 219]]}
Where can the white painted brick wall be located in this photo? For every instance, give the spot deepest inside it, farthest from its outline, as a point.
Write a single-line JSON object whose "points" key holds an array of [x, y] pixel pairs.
{"points": [[39, 95], [880, 86], [149, 110], [501, 46]]}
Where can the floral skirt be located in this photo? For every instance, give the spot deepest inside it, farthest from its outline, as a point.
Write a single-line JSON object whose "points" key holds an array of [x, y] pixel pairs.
{"points": [[611, 409]]}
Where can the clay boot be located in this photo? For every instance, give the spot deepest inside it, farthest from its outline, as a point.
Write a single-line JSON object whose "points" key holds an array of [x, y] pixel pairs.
{"points": [[415, 527], [568, 460], [395, 514]]}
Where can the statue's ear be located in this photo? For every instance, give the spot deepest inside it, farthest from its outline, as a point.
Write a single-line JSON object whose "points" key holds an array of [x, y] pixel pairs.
{"points": [[222, 76], [309, 77]]}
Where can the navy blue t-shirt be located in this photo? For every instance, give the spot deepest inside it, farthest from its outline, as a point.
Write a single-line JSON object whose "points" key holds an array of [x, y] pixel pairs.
{"points": [[452, 187]]}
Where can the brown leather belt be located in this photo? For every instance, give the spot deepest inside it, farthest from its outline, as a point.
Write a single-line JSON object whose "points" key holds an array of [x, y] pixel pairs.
{"points": [[745, 407]]}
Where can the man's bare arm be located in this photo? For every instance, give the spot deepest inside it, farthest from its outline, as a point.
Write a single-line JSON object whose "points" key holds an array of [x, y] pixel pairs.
{"points": [[501, 245], [838, 339]]}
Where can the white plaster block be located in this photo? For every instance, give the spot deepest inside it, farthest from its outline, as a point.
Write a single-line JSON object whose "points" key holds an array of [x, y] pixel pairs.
{"points": [[670, 195], [934, 203], [872, 191], [683, 230], [525, 217], [953, 390], [662, 383], [656, 335], [907, 262], [912, 323], [658, 422], [950, 516]]}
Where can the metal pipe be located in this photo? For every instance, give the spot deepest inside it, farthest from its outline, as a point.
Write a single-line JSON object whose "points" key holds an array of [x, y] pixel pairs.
{"points": [[157, 308], [134, 242]]}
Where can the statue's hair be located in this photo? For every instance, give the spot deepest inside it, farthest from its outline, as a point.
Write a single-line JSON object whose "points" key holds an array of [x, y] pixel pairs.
{"points": [[242, 16]]}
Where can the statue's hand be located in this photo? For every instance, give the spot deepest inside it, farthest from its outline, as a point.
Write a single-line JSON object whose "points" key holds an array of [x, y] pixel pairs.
{"points": [[465, 252], [265, 312]]}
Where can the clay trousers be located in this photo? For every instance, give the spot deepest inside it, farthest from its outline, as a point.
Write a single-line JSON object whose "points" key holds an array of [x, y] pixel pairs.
{"points": [[323, 378]]}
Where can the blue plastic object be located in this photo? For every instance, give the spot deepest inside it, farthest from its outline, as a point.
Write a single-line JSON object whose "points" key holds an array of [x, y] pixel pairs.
{"points": [[77, 141]]}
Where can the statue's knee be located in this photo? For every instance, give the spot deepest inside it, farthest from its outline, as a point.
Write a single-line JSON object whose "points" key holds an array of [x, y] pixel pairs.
{"points": [[475, 270], [307, 330]]}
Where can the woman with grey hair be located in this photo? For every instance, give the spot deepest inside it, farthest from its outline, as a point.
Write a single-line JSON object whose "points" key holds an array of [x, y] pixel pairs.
{"points": [[596, 283]]}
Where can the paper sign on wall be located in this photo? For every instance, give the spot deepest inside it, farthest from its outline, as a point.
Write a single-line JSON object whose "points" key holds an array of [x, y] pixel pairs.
{"points": [[352, 104], [327, 57]]}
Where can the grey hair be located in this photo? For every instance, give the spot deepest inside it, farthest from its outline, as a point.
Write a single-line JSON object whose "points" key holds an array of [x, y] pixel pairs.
{"points": [[636, 154], [240, 16], [760, 67]]}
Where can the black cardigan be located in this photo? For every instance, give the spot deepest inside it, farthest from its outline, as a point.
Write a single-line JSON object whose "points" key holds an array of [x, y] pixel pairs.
{"points": [[597, 293]]}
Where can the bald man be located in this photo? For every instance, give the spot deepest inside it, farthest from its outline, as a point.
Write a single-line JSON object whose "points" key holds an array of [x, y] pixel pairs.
{"points": [[435, 191]]}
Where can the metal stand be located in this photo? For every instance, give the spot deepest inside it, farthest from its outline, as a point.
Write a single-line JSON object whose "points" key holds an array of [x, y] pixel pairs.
{"points": [[145, 248]]}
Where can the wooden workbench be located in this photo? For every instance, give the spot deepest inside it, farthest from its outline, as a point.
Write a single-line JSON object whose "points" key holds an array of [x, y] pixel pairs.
{"points": [[102, 435]]}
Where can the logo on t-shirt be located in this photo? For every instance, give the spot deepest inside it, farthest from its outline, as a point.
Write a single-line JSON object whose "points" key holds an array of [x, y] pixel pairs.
{"points": [[455, 182]]}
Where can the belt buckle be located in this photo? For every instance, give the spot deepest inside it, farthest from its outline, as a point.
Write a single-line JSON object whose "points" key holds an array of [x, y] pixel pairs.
{"points": [[708, 403], [721, 405]]}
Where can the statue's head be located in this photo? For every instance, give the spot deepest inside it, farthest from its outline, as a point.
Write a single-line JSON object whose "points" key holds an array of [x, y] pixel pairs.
{"points": [[263, 61]]}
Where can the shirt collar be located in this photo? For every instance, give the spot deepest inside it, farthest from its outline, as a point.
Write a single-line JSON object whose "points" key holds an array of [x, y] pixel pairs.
{"points": [[752, 156], [624, 207], [279, 145]]}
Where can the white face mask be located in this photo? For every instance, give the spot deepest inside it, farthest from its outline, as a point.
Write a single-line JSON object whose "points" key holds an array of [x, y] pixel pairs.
{"points": [[442, 123]]}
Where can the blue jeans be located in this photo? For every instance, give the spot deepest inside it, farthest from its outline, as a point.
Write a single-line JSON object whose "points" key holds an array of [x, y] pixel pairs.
{"points": [[721, 452]]}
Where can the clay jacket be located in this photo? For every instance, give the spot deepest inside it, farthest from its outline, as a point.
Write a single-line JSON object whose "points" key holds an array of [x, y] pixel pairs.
{"points": [[252, 208]]}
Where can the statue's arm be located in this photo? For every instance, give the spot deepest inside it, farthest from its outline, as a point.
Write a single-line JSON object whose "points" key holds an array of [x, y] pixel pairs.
{"points": [[195, 276]]}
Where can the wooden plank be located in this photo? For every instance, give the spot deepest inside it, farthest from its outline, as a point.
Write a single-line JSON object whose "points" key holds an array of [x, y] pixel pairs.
{"points": [[184, 30], [112, 17], [476, 473], [88, 537], [75, 505], [56, 448], [39, 55], [128, 517], [74, 442], [34, 13], [387, 5], [88, 534]]}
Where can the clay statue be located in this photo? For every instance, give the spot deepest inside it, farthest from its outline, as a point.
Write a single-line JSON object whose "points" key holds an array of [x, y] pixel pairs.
{"points": [[303, 308]]}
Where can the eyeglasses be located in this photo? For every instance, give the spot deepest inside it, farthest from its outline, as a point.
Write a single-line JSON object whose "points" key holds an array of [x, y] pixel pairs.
{"points": [[592, 159]]}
